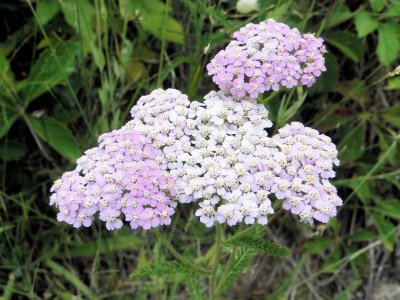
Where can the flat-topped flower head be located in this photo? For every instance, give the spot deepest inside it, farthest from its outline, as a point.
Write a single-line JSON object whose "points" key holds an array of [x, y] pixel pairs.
{"points": [[265, 57], [120, 179], [307, 159], [229, 152]]}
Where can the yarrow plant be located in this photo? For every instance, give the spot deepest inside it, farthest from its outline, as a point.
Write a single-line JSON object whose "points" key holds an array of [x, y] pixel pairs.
{"points": [[215, 153], [266, 56]]}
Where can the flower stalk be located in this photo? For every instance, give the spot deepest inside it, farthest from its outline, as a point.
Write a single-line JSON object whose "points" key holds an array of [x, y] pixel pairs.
{"points": [[218, 246], [177, 255]]}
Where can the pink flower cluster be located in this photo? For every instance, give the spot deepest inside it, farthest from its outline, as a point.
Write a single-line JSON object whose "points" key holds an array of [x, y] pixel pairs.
{"points": [[120, 176], [168, 118], [266, 56], [306, 159]]}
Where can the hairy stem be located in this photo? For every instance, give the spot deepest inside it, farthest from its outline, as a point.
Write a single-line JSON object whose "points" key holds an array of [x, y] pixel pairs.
{"points": [[218, 240], [227, 269]]}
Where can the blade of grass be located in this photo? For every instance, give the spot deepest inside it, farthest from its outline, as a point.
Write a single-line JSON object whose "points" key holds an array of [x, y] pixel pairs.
{"points": [[197, 72], [69, 276]]}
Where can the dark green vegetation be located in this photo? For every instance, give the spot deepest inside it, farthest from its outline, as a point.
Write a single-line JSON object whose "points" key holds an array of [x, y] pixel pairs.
{"points": [[72, 69]]}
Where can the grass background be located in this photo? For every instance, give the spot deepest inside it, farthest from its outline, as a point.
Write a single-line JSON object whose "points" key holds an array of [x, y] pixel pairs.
{"points": [[72, 69]]}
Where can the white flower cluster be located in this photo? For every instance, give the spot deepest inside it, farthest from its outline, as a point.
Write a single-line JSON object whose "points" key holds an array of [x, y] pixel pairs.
{"points": [[228, 170]]}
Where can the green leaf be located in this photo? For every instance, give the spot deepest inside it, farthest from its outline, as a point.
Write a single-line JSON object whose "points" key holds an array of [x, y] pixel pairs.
{"points": [[392, 115], [151, 13], [7, 119], [9, 152], [340, 13], [5, 227], [98, 56], [259, 244], [57, 135], [386, 231], [329, 79], [46, 10], [377, 5], [50, 69], [70, 277], [279, 11], [353, 89], [388, 43], [392, 11], [334, 121], [165, 268], [363, 192], [318, 244], [362, 236], [393, 84], [6, 75], [347, 43], [79, 15], [352, 145], [389, 208], [365, 23]]}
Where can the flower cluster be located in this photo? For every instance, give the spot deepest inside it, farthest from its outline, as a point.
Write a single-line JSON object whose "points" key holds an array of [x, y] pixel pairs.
{"points": [[307, 159], [266, 56], [225, 171], [216, 152], [166, 116], [120, 176]]}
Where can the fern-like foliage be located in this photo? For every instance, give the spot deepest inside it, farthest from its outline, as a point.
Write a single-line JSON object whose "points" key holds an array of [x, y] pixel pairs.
{"points": [[194, 288], [242, 259], [163, 269], [259, 244]]}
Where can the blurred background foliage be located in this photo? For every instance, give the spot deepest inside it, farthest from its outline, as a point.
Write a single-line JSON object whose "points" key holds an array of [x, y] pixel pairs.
{"points": [[72, 69]]}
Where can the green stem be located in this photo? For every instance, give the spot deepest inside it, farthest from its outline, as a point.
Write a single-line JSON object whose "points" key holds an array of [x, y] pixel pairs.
{"points": [[218, 240], [178, 256], [228, 267]]}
